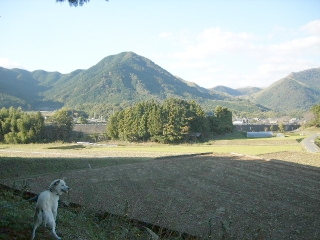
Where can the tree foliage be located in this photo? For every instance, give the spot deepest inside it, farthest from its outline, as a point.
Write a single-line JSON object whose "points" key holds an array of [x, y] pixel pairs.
{"points": [[75, 3], [61, 125], [19, 127], [173, 121], [281, 127], [316, 111]]}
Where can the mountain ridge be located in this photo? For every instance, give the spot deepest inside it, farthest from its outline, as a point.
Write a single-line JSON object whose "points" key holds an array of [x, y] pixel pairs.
{"points": [[125, 78], [300, 90]]}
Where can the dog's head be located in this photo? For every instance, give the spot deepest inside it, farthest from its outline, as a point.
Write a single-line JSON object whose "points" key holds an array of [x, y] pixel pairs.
{"points": [[59, 186]]}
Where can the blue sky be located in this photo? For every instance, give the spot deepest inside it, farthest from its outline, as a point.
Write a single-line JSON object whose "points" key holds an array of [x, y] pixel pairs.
{"points": [[235, 43]]}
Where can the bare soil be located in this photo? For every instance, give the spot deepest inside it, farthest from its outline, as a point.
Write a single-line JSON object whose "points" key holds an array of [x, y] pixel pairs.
{"points": [[223, 195]]}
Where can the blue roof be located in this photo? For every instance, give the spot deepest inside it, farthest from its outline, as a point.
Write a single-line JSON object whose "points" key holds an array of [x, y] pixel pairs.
{"points": [[259, 134]]}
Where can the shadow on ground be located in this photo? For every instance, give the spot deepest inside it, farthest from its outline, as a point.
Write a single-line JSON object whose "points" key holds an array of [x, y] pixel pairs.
{"points": [[68, 147]]}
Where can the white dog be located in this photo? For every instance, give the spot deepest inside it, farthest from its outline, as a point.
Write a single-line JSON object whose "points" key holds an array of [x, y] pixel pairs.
{"points": [[47, 206]]}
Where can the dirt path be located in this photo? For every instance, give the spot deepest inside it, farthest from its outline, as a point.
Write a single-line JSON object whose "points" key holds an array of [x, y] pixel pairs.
{"points": [[234, 196], [309, 144]]}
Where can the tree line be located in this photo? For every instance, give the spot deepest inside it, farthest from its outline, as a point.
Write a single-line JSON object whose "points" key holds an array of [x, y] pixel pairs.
{"points": [[316, 111], [17, 126], [171, 121], [174, 120]]}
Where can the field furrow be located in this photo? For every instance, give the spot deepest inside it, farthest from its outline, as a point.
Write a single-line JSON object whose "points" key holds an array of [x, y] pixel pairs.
{"points": [[238, 193]]}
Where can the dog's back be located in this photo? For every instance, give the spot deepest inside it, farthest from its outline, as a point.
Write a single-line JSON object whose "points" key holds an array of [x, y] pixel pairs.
{"points": [[47, 200], [47, 206]]}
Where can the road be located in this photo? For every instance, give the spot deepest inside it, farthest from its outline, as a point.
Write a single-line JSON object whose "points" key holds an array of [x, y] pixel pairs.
{"points": [[309, 144]]}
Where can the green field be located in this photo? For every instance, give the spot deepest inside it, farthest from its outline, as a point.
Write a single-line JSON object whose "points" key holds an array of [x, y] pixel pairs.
{"points": [[244, 146]]}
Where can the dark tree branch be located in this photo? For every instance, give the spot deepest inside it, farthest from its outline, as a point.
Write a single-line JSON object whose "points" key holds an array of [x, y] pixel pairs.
{"points": [[75, 3]]}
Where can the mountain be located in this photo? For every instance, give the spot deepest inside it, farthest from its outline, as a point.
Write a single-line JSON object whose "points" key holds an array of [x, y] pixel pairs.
{"points": [[19, 88], [227, 90], [122, 79], [236, 92], [125, 77], [248, 90], [297, 91]]}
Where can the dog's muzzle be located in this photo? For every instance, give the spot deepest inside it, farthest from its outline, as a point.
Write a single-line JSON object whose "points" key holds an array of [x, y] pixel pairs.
{"points": [[66, 190]]}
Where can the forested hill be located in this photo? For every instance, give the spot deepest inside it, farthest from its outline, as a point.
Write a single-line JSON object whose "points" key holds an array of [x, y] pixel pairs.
{"points": [[120, 80], [299, 90], [19, 88], [123, 77], [238, 91]]}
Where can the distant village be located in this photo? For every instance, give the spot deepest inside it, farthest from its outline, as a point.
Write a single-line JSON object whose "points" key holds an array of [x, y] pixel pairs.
{"points": [[269, 121], [264, 125]]}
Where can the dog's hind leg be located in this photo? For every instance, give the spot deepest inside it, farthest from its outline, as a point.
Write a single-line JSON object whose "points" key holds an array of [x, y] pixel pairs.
{"points": [[52, 224], [37, 222], [54, 231]]}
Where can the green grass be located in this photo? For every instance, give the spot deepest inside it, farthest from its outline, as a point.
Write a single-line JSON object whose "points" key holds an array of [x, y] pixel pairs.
{"points": [[256, 150], [74, 223], [244, 149], [225, 145]]}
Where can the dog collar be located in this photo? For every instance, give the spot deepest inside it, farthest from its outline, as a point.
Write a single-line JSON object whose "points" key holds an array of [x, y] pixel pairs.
{"points": [[52, 192]]}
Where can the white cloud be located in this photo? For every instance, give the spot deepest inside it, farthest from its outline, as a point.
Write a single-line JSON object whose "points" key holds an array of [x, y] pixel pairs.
{"points": [[282, 66], [312, 28], [165, 34], [7, 63], [300, 46], [192, 64], [238, 59], [213, 42]]}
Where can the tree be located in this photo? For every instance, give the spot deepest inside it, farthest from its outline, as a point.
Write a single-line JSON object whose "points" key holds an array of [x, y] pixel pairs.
{"points": [[82, 120], [156, 120], [112, 126], [197, 118], [62, 121], [271, 128], [62, 118], [316, 111], [75, 3], [174, 120], [19, 127], [176, 124], [281, 127], [223, 120]]}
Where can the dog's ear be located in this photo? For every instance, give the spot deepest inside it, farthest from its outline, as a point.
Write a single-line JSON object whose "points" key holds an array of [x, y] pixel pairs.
{"points": [[56, 182]]}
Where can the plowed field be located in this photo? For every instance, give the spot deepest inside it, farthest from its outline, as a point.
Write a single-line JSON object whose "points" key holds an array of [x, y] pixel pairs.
{"points": [[226, 195]]}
